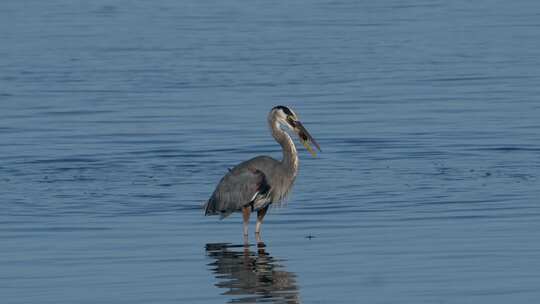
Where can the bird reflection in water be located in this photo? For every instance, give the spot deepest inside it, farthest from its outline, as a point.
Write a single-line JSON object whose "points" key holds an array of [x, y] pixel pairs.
{"points": [[251, 276]]}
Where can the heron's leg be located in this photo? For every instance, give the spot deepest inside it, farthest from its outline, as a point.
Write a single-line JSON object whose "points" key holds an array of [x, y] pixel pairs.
{"points": [[260, 215], [246, 211]]}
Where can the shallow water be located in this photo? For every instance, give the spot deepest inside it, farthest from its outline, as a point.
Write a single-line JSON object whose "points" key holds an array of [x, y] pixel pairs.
{"points": [[118, 119]]}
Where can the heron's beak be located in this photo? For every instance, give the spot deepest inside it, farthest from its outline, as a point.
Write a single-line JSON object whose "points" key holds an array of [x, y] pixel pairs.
{"points": [[306, 138]]}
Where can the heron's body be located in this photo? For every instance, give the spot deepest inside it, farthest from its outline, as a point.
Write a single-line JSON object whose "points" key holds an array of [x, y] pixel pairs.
{"points": [[257, 183]]}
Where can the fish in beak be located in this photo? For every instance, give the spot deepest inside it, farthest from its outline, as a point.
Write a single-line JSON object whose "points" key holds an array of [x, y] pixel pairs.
{"points": [[305, 138]]}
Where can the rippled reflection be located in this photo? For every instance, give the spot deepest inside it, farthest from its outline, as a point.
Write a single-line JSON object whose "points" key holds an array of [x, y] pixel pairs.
{"points": [[251, 276]]}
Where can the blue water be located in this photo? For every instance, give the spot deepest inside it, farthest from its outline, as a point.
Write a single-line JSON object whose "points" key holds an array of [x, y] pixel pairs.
{"points": [[118, 118]]}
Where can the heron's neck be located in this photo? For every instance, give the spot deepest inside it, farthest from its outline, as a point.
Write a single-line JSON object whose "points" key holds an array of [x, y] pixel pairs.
{"points": [[290, 156]]}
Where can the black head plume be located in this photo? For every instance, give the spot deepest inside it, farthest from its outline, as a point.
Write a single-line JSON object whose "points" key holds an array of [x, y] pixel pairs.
{"points": [[284, 109]]}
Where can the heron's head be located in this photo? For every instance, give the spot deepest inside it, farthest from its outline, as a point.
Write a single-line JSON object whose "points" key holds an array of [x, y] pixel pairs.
{"points": [[286, 117]]}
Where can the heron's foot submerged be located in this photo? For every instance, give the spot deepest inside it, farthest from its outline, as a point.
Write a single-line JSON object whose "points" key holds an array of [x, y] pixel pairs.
{"points": [[259, 240]]}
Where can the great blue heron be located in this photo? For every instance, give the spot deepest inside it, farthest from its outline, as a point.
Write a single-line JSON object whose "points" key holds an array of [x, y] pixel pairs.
{"points": [[257, 183]]}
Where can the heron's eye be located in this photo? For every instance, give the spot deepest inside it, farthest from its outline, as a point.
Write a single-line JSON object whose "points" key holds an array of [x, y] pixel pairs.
{"points": [[291, 120]]}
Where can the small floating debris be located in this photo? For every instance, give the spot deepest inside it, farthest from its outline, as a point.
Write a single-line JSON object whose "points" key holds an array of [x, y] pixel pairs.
{"points": [[309, 236]]}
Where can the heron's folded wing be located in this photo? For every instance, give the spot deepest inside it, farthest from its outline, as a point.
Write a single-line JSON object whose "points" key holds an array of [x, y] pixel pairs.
{"points": [[236, 189]]}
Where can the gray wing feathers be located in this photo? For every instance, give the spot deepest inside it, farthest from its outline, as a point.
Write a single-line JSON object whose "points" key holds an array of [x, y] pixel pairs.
{"points": [[238, 188]]}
